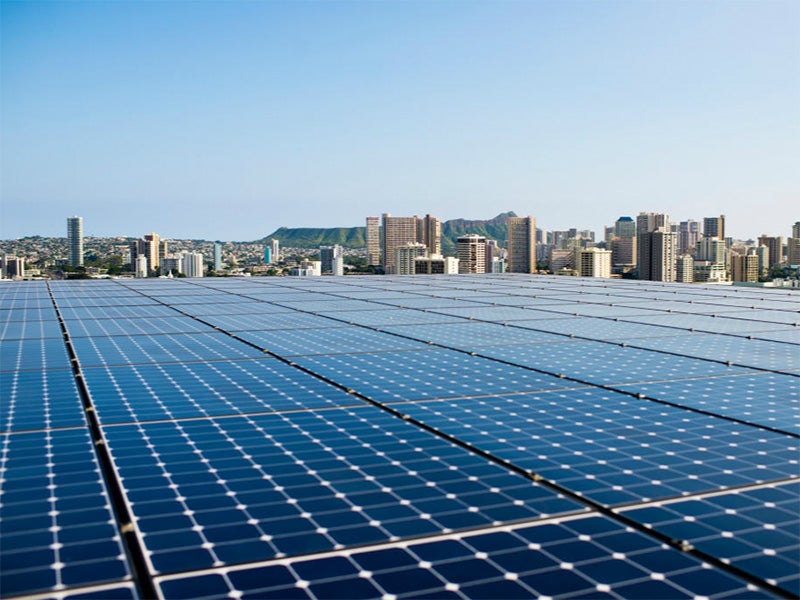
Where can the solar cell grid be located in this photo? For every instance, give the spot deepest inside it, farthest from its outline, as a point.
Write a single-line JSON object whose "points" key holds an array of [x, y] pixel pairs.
{"points": [[578, 558], [39, 399], [274, 485], [755, 530], [169, 391], [420, 375], [55, 517], [24, 329], [112, 327], [611, 448], [767, 399], [330, 340], [708, 323], [179, 347], [33, 354]]}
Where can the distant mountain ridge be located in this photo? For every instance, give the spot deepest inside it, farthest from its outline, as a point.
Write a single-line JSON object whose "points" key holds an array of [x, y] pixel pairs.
{"points": [[355, 237]]}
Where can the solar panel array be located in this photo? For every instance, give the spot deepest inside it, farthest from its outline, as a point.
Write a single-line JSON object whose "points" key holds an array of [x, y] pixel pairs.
{"points": [[398, 437]]}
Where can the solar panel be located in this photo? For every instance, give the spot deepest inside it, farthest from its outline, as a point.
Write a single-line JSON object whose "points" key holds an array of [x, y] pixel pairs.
{"points": [[397, 437]]}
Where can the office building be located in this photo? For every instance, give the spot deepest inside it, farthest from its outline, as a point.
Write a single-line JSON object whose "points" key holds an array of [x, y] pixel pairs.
{"points": [[471, 250], [775, 246], [373, 235], [763, 260], [623, 254], [562, 260], [267, 255], [492, 252], [172, 264], [714, 227], [706, 271], [625, 227], [192, 264], [521, 245], [217, 256], [594, 262], [331, 260], [684, 269], [744, 267], [404, 257], [688, 236], [75, 241]]}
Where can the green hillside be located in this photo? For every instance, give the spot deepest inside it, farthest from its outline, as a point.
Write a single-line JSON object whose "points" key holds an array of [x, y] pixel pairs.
{"points": [[354, 237]]}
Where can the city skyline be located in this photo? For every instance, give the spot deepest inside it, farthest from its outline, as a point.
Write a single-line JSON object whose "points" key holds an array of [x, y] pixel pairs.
{"points": [[252, 116]]}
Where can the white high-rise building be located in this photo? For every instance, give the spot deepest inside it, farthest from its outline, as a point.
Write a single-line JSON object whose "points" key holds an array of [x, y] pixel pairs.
{"points": [[373, 241], [275, 248], [217, 256], [332, 260], [594, 262], [192, 264], [471, 253], [404, 258], [141, 266], [75, 240]]}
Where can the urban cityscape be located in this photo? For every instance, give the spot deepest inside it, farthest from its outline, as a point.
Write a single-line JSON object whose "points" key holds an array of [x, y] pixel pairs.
{"points": [[649, 247]]}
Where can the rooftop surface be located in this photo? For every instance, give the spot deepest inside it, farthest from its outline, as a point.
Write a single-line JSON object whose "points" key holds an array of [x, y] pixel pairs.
{"points": [[491, 436]]}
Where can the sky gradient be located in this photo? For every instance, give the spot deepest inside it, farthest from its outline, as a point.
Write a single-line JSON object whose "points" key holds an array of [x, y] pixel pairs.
{"points": [[227, 120]]}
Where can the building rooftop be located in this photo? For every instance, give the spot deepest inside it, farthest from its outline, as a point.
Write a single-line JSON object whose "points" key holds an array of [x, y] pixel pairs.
{"points": [[399, 437]]}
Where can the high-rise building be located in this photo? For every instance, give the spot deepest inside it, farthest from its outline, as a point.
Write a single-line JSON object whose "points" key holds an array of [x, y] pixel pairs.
{"points": [[429, 232], [657, 255], [151, 247], [625, 227], [267, 255], [688, 236], [373, 241], [711, 249], [275, 248], [171, 265], [714, 227], [594, 262], [763, 260], [744, 267], [562, 260], [623, 254], [471, 249], [491, 253], [684, 269], [775, 245], [521, 245], [331, 260], [217, 256], [397, 232], [192, 264], [793, 246], [404, 257], [140, 266], [75, 241]]}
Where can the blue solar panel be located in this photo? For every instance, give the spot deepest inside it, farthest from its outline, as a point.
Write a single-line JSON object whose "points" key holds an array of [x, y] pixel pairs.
{"points": [[437, 436]]}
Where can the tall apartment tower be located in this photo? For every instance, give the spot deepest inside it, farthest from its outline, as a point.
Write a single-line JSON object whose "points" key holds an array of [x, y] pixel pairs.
{"points": [[775, 245], [373, 241], [275, 248], [714, 227], [684, 269], [688, 236], [471, 253], [75, 240], [657, 255], [744, 267], [594, 262], [793, 245], [521, 245], [192, 264], [405, 256], [331, 259], [217, 256], [429, 232]]}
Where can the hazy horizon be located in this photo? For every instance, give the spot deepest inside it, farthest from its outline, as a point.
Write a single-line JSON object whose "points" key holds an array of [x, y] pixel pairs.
{"points": [[228, 120]]}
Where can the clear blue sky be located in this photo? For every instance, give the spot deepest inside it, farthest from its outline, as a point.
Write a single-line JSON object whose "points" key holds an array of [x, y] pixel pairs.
{"points": [[226, 120]]}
